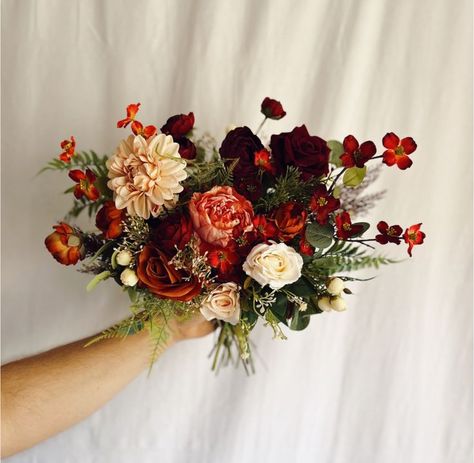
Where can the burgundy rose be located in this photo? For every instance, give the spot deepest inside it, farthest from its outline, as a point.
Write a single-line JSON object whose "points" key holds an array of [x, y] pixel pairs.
{"points": [[187, 149], [241, 144], [174, 230], [272, 109], [178, 126], [298, 148]]}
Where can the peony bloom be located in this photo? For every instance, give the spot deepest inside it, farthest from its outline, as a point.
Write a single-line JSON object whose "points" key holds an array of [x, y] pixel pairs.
{"points": [[109, 220], [85, 184], [388, 234], [355, 155], [68, 147], [345, 229], [398, 150], [323, 203], [222, 303], [145, 175], [65, 244], [272, 109], [290, 219], [219, 213], [275, 265], [161, 278], [413, 236]]}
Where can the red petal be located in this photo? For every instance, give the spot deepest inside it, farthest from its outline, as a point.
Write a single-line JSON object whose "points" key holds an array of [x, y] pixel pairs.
{"points": [[347, 160], [404, 162], [78, 193], [368, 149], [389, 158], [350, 144], [132, 110], [123, 123], [65, 157], [77, 175], [408, 144], [92, 193], [90, 176], [137, 127], [149, 131], [382, 239], [382, 227], [390, 140]]}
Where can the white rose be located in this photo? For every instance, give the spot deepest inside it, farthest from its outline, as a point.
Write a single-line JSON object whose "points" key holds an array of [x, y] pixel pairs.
{"points": [[128, 277], [335, 286], [124, 257], [223, 303], [275, 265]]}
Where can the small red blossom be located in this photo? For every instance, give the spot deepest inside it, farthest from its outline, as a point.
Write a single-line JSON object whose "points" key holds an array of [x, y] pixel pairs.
{"points": [[69, 149], [132, 110], [305, 247], [388, 234], [413, 236], [323, 203], [266, 229], [85, 184], [223, 259], [355, 155], [146, 132], [272, 109], [398, 150], [263, 160], [178, 126], [345, 229]]}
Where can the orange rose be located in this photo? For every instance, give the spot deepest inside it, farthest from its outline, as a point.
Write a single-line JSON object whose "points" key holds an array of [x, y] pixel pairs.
{"points": [[109, 220], [65, 245], [289, 219], [220, 214], [162, 279]]}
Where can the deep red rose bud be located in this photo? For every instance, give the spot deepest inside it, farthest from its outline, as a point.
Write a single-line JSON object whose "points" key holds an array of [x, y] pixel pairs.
{"points": [[187, 149], [398, 150], [272, 109], [355, 155], [388, 234], [413, 236], [345, 229], [109, 220], [179, 126], [323, 203]]}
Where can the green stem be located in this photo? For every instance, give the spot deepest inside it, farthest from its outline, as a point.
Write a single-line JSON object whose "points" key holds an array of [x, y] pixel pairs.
{"points": [[261, 125]]}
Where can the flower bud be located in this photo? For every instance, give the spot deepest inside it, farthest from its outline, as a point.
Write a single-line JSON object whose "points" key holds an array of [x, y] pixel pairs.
{"points": [[128, 277], [124, 257], [335, 286], [229, 128], [324, 304], [338, 304]]}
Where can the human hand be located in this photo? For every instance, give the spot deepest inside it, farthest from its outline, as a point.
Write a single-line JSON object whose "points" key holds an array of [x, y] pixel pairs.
{"points": [[195, 327]]}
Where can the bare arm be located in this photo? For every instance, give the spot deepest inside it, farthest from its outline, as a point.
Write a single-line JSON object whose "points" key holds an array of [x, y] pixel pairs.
{"points": [[47, 393]]}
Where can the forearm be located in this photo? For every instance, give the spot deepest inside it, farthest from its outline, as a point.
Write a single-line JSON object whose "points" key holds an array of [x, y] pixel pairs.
{"points": [[45, 394]]}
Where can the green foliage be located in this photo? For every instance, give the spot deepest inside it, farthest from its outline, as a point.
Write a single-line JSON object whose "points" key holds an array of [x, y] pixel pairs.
{"points": [[204, 175], [81, 160], [319, 236], [337, 149], [354, 176]]}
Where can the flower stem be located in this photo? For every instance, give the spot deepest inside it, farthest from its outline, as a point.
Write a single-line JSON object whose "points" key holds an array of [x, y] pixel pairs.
{"points": [[335, 180], [261, 125]]}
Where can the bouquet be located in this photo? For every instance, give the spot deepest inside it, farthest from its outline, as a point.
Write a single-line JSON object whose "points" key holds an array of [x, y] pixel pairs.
{"points": [[253, 229]]}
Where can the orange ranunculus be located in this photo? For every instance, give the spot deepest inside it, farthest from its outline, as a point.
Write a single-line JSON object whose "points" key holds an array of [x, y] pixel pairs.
{"points": [[290, 219], [219, 214], [109, 220], [65, 244], [160, 277]]}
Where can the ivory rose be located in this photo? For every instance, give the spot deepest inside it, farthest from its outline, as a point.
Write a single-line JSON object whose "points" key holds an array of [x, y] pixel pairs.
{"points": [[220, 214], [222, 303], [275, 265]]}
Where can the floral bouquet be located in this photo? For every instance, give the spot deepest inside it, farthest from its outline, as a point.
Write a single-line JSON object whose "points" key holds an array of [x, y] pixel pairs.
{"points": [[255, 229]]}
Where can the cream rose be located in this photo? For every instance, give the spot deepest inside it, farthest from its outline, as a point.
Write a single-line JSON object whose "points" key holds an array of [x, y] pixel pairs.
{"points": [[223, 303], [275, 265]]}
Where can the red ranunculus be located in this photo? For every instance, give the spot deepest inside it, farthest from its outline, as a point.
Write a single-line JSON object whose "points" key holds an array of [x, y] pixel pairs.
{"points": [[398, 150], [298, 148], [178, 126], [355, 155], [272, 109], [173, 231], [323, 203], [413, 236], [290, 219], [65, 244], [388, 234], [68, 147], [345, 229], [132, 110], [109, 220], [187, 149], [85, 184]]}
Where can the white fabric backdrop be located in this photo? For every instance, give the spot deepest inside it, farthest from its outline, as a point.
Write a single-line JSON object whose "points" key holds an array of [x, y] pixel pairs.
{"points": [[388, 381]]}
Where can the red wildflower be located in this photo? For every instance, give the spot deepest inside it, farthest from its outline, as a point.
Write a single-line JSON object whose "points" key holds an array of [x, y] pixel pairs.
{"points": [[146, 132], [305, 247], [398, 150], [355, 155], [265, 228], [132, 110], [85, 184], [323, 203], [263, 161], [223, 259], [413, 236], [345, 229], [65, 244], [68, 147], [388, 234], [272, 109]]}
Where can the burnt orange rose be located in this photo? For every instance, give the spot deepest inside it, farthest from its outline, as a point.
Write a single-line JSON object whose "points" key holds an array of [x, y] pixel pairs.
{"points": [[109, 220], [220, 214], [290, 219], [65, 244], [162, 279]]}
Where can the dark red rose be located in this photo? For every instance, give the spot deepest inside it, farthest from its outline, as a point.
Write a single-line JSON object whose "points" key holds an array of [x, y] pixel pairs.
{"points": [[174, 230], [241, 144], [109, 220], [178, 126], [187, 150], [289, 219], [272, 109], [298, 148]]}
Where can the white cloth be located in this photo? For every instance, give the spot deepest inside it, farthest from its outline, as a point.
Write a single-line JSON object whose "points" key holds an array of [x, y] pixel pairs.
{"points": [[389, 380]]}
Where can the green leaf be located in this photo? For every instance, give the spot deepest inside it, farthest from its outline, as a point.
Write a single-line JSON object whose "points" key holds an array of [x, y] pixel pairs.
{"points": [[337, 149], [279, 307], [299, 321], [354, 176], [319, 236], [97, 279], [302, 288]]}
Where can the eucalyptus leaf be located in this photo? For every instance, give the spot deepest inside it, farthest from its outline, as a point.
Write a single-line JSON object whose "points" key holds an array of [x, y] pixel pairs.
{"points": [[337, 149], [365, 227], [319, 236], [299, 321], [279, 308], [354, 176]]}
